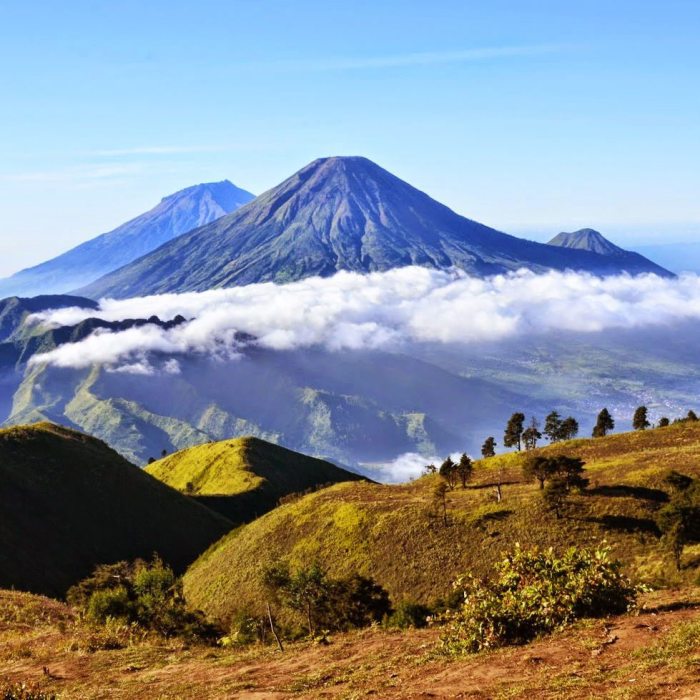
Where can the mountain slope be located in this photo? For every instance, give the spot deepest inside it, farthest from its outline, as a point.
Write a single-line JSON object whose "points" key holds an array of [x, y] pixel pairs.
{"points": [[244, 477], [338, 214], [369, 529], [69, 502], [14, 310], [173, 216]]}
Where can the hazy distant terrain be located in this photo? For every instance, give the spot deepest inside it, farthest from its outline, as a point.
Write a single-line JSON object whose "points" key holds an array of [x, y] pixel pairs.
{"points": [[173, 216]]}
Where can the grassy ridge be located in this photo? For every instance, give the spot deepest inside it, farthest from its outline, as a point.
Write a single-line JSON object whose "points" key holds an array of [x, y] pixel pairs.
{"points": [[69, 502], [244, 477], [385, 531]]}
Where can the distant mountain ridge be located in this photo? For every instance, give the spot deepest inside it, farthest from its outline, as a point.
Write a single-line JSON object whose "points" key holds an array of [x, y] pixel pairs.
{"points": [[340, 213], [176, 214]]}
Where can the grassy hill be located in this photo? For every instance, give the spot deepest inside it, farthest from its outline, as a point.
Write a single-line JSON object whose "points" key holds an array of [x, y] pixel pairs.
{"points": [[386, 532], [244, 477], [69, 502]]}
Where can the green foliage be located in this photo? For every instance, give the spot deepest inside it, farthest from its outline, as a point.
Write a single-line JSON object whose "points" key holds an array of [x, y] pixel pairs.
{"points": [[144, 593], [640, 420], [323, 602], [531, 435], [568, 470], [409, 614], [488, 449], [448, 471], [557, 429], [604, 424], [679, 520], [464, 469], [20, 691], [512, 437], [664, 422], [535, 592]]}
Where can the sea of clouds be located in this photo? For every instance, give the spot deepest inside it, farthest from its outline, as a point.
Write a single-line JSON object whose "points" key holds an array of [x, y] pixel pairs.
{"points": [[375, 311]]}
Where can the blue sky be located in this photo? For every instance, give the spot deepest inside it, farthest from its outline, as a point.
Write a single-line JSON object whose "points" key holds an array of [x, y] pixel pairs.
{"points": [[529, 116]]}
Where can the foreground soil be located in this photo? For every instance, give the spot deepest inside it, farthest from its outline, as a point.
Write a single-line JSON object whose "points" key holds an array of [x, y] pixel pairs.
{"points": [[652, 654]]}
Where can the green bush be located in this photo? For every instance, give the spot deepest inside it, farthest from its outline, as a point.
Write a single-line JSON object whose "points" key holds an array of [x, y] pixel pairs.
{"points": [[409, 614], [144, 593], [535, 592]]}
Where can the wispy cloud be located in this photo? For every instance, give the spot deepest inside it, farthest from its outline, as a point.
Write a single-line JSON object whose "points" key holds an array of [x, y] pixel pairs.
{"points": [[425, 58]]}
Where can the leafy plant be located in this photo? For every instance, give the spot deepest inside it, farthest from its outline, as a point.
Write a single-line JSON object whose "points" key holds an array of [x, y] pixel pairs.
{"points": [[535, 592], [147, 594]]}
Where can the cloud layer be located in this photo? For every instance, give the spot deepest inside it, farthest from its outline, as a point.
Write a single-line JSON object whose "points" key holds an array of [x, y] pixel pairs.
{"points": [[380, 310]]}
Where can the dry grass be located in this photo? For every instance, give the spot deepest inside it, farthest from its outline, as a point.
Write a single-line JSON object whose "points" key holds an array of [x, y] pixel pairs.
{"points": [[655, 654]]}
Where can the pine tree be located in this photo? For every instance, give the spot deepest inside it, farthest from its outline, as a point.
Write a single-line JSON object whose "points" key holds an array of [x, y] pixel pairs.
{"points": [[448, 471], [604, 424], [640, 421], [464, 469], [514, 431], [553, 426], [569, 428], [488, 449]]}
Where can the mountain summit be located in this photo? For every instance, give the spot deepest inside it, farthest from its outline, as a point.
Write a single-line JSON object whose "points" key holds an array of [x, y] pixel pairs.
{"points": [[173, 216], [587, 239], [339, 214]]}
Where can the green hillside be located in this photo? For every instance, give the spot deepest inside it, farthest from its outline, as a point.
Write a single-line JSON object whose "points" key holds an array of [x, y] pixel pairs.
{"points": [[244, 477], [69, 502], [386, 532]]}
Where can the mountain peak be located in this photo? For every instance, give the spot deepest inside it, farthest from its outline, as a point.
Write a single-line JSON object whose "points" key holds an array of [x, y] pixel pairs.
{"points": [[587, 239], [341, 213]]}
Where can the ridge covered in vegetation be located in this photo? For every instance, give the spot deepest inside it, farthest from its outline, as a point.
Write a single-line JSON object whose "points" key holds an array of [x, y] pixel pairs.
{"points": [[244, 477], [397, 535], [69, 502]]}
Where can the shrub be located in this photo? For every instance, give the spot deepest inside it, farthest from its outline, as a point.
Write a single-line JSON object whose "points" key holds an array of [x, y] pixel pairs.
{"points": [[147, 594], [409, 614], [326, 603], [535, 592]]}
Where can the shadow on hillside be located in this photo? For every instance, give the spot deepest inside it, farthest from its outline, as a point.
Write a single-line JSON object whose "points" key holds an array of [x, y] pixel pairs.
{"points": [[494, 517], [626, 491], [627, 523]]}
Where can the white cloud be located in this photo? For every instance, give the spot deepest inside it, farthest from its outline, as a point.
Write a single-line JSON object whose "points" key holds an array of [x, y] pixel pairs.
{"points": [[380, 310]]}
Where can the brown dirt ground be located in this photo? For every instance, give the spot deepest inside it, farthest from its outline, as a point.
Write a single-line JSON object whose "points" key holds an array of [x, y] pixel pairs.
{"points": [[595, 659]]}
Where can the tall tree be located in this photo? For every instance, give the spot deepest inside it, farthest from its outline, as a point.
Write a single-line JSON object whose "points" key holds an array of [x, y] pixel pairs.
{"points": [[514, 431], [569, 428], [552, 427], [488, 449], [532, 434], [464, 469], [448, 471], [604, 424], [539, 468], [640, 421]]}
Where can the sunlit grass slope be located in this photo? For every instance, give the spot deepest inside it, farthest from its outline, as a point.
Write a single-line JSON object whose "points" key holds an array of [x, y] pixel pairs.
{"points": [[69, 502], [386, 532], [244, 477]]}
